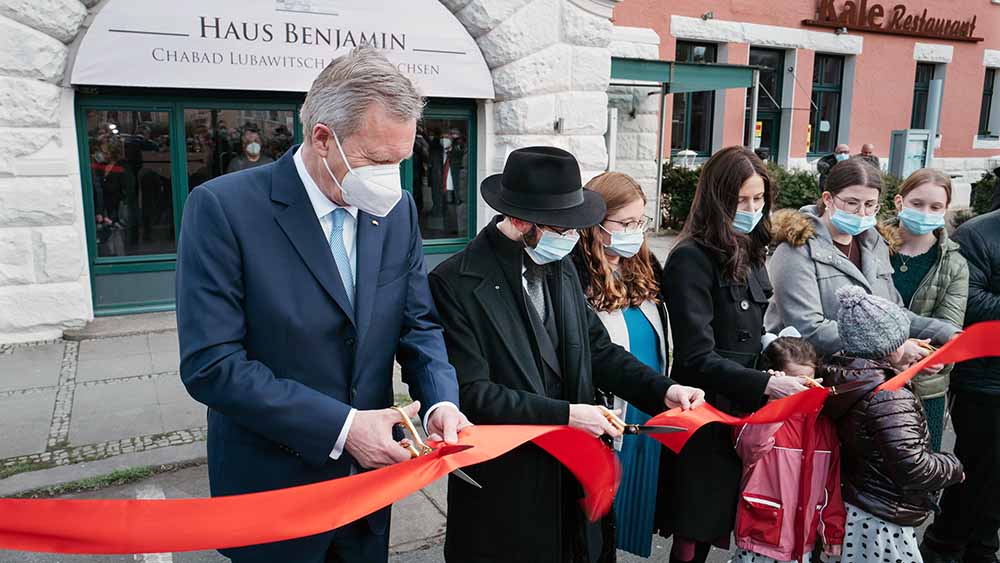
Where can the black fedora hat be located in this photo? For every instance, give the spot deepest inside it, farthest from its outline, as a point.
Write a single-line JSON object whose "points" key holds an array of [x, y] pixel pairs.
{"points": [[542, 185]]}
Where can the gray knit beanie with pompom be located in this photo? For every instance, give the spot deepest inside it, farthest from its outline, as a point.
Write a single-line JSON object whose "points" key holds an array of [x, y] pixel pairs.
{"points": [[870, 327]]}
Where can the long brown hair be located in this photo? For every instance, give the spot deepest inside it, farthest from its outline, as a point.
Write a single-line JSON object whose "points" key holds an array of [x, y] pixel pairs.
{"points": [[635, 281], [714, 207], [927, 176], [852, 172]]}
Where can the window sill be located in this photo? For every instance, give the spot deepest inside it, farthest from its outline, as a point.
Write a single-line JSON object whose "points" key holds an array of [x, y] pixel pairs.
{"points": [[986, 143]]}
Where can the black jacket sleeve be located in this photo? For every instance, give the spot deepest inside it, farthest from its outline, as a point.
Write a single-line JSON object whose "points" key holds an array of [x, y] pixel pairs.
{"points": [[481, 399], [984, 304], [692, 310], [900, 433]]}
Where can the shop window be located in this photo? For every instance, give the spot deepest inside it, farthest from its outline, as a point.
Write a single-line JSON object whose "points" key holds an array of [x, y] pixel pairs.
{"points": [[988, 107], [921, 91], [220, 141], [691, 125], [440, 177], [772, 69], [130, 169], [827, 93]]}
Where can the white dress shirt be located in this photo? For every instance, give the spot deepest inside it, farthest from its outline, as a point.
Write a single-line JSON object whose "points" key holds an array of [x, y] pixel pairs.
{"points": [[324, 209]]}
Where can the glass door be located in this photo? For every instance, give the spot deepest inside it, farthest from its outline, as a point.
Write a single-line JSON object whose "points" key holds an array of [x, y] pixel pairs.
{"points": [[772, 64]]}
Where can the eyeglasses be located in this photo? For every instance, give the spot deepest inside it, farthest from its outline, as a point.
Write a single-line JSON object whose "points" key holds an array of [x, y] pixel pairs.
{"points": [[633, 224], [854, 206], [557, 230]]}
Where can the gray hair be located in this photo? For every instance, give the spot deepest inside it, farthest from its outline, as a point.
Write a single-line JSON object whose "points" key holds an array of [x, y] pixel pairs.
{"points": [[344, 90]]}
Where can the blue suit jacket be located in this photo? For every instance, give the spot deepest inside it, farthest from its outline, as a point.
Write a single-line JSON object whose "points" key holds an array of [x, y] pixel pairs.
{"points": [[269, 341]]}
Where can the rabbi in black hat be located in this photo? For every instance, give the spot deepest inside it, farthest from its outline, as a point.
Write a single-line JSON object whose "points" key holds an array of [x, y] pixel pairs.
{"points": [[528, 350]]}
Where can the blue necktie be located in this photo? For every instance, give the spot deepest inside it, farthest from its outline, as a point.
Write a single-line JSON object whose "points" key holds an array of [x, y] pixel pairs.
{"points": [[340, 254]]}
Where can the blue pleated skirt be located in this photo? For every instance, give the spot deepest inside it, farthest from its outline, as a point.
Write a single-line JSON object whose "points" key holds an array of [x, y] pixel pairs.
{"points": [[635, 503]]}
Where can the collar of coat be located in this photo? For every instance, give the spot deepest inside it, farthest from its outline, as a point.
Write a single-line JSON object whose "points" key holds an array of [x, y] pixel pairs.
{"points": [[890, 232], [797, 228]]}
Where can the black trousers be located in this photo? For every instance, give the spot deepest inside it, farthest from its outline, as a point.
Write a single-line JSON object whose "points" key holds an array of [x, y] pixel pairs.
{"points": [[970, 511], [353, 543]]}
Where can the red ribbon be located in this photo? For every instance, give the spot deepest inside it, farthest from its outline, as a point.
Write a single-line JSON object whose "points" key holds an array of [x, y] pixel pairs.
{"points": [[156, 526]]}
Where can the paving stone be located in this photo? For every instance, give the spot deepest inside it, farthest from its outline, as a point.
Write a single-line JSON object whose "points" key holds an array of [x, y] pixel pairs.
{"points": [[35, 366], [165, 361], [164, 342], [414, 519], [106, 348], [24, 420], [114, 411], [114, 367]]}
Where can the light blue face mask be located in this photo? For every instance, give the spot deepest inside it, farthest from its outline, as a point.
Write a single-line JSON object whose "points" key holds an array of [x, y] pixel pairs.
{"points": [[625, 243], [851, 224], [920, 223], [841, 157], [745, 221], [552, 247]]}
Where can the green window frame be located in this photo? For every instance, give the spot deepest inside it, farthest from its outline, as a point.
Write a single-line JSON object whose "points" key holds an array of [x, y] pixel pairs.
{"points": [[685, 53], [921, 93], [986, 108], [823, 92]]}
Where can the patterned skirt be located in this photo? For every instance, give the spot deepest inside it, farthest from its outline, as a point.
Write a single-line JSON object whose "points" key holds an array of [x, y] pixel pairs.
{"points": [[870, 539]]}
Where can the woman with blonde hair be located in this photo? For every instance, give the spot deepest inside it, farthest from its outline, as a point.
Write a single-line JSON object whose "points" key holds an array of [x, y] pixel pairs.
{"points": [[929, 272], [619, 276]]}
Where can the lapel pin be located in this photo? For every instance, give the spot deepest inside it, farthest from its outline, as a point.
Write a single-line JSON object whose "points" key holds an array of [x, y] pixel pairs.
{"points": [[374, 222]]}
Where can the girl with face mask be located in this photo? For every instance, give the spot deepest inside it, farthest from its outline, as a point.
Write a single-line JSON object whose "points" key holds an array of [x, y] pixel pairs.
{"points": [[930, 274], [620, 278], [826, 246]]}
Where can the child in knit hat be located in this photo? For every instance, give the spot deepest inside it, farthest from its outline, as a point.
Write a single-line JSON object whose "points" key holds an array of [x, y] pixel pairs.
{"points": [[890, 474]]}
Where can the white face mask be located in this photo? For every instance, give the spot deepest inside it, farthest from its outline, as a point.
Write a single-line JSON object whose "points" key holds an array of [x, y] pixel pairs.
{"points": [[446, 143], [253, 149], [374, 189]]}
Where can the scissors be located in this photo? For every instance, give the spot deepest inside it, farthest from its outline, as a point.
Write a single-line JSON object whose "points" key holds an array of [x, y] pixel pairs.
{"points": [[418, 447], [637, 429]]}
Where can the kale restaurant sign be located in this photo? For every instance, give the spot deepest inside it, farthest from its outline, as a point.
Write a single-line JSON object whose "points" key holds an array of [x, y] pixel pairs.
{"points": [[275, 45], [897, 20]]}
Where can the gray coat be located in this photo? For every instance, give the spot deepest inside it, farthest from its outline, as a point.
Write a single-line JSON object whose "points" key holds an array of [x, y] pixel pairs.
{"points": [[807, 270]]}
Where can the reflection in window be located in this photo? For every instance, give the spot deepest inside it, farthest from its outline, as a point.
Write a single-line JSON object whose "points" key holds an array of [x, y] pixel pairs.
{"points": [[220, 141], [441, 178], [130, 174], [828, 73], [986, 107], [691, 124], [921, 89]]}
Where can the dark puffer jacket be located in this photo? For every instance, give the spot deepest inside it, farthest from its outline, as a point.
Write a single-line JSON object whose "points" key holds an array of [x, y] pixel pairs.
{"points": [[888, 468]]}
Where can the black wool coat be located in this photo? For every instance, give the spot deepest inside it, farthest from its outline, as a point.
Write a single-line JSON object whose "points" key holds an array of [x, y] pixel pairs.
{"points": [[716, 324], [519, 513]]}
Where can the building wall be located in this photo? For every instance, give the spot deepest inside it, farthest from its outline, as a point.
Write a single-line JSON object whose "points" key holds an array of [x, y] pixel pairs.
{"points": [[44, 284], [549, 60], [884, 67]]}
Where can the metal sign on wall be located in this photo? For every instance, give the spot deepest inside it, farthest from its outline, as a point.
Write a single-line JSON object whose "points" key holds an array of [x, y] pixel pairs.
{"points": [[896, 20], [276, 45]]}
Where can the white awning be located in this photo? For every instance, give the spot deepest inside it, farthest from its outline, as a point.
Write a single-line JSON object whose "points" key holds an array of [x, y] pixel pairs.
{"points": [[275, 45]]}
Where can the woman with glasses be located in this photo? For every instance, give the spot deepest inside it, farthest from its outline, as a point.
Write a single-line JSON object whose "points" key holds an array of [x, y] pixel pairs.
{"points": [[716, 288], [620, 278], [826, 246], [929, 271]]}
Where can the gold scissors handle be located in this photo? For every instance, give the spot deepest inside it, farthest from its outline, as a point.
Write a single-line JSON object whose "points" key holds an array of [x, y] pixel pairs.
{"points": [[417, 446], [613, 418]]}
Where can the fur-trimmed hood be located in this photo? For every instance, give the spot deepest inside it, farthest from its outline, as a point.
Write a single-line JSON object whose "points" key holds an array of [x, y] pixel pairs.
{"points": [[794, 227]]}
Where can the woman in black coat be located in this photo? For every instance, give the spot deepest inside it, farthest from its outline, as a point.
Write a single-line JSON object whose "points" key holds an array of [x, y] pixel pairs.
{"points": [[716, 288]]}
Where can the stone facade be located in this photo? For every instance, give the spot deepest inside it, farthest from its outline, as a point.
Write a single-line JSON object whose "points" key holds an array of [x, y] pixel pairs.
{"points": [[44, 283]]}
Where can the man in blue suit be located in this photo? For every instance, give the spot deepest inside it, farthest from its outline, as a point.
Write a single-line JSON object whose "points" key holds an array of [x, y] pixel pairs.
{"points": [[298, 283]]}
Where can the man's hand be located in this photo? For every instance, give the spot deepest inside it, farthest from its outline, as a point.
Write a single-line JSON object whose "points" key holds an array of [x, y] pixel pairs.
{"points": [[683, 397], [369, 441], [446, 421], [591, 419]]}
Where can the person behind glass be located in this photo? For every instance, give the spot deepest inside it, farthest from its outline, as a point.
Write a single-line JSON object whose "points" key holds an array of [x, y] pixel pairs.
{"points": [[456, 165], [791, 472], [716, 289], [251, 156], [825, 164], [436, 171], [929, 272], [420, 155], [826, 246], [620, 278], [528, 349]]}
